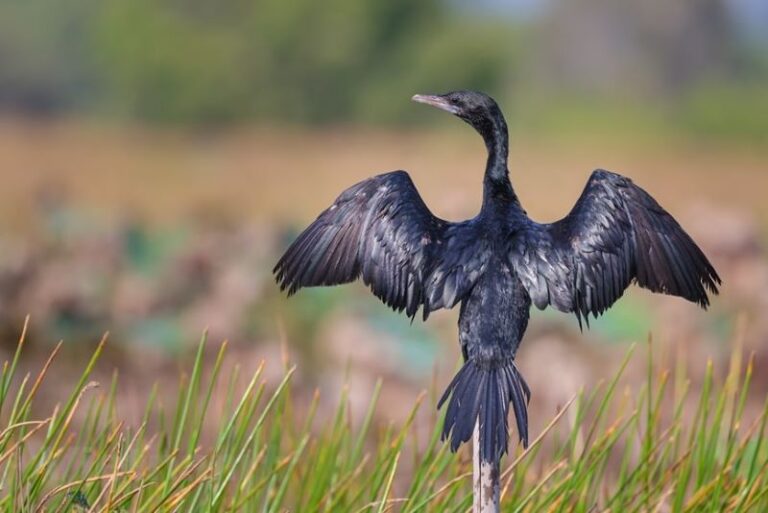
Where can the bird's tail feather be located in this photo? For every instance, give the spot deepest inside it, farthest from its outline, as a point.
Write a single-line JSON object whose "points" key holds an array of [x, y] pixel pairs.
{"points": [[483, 391]]}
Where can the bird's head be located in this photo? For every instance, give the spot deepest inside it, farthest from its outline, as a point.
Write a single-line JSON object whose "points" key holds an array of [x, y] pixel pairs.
{"points": [[477, 109]]}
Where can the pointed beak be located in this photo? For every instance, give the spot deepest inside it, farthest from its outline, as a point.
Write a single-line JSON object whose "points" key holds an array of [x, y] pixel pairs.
{"points": [[435, 101]]}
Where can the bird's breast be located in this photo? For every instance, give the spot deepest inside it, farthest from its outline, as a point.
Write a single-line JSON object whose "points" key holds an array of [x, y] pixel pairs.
{"points": [[495, 315]]}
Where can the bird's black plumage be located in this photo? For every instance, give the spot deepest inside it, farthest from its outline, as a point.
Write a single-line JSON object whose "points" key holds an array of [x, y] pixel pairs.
{"points": [[496, 265]]}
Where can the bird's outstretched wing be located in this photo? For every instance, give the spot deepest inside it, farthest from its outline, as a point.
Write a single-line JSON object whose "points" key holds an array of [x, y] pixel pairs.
{"points": [[381, 230], [615, 234]]}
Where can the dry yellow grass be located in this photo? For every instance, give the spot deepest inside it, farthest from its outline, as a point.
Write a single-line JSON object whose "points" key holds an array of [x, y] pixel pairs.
{"points": [[259, 173]]}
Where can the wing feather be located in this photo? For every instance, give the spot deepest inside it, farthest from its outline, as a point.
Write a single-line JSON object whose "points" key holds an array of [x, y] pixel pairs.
{"points": [[380, 230], [615, 235]]}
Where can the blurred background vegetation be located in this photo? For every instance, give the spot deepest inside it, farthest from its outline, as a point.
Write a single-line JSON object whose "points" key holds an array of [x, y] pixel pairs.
{"points": [[157, 156], [698, 66]]}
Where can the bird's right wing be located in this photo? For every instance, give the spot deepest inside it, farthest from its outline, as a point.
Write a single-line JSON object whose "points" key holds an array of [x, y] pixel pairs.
{"points": [[381, 230], [616, 234]]}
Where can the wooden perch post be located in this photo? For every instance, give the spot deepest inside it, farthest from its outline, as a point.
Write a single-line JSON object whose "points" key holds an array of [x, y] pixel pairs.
{"points": [[485, 479]]}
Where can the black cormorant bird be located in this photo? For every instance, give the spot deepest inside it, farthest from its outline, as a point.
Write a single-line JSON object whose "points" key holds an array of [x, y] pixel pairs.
{"points": [[495, 265]]}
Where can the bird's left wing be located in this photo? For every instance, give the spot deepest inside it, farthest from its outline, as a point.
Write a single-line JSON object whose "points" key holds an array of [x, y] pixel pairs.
{"points": [[616, 234], [381, 230]]}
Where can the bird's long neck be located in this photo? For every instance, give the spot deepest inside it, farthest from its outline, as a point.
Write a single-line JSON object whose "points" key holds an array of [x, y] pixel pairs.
{"points": [[497, 189]]}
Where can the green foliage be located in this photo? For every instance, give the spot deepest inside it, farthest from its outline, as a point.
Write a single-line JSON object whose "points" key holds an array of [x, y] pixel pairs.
{"points": [[201, 62], [725, 110], [160, 62], [633, 450], [709, 111], [210, 62]]}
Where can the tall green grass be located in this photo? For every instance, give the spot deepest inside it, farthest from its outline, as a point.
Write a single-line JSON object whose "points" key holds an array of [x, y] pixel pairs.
{"points": [[660, 447]]}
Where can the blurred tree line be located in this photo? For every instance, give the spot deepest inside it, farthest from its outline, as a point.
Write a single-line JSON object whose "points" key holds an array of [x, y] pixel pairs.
{"points": [[224, 60], [221, 61]]}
